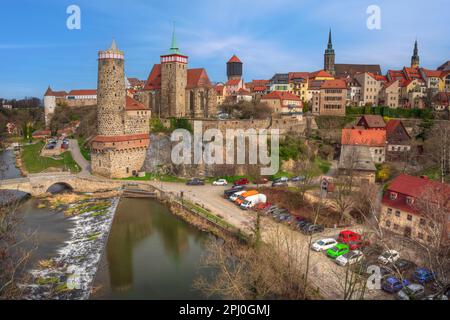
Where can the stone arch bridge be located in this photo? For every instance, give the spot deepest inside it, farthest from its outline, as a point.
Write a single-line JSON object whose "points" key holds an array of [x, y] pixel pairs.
{"points": [[38, 184]]}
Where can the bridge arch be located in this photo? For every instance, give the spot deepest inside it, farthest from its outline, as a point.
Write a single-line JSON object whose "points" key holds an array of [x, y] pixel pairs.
{"points": [[59, 187]]}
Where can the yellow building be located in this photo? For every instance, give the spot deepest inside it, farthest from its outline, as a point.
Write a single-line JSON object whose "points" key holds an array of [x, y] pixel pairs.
{"points": [[298, 84]]}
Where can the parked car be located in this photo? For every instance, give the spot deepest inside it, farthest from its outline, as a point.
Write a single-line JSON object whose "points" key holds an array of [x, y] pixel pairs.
{"points": [[412, 291], [195, 182], [389, 256], [270, 209], [262, 206], [392, 284], [302, 223], [324, 244], [241, 182], [346, 236], [281, 179], [298, 178], [242, 197], [260, 181], [235, 195], [283, 217], [313, 228], [349, 258], [227, 193], [423, 275], [403, 265], [338, 250], [279, 184], [357, 244], [220, 182]]}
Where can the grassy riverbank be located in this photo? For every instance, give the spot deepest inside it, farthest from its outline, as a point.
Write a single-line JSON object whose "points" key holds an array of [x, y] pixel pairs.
{"points": [[35, 163]]}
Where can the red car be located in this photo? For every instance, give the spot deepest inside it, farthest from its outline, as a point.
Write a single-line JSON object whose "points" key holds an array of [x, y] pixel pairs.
{"points": [[347, 236], [357, 244], [241, 182]]}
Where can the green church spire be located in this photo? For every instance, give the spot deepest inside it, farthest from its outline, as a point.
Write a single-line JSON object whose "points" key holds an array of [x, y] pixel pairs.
{"points": [[174, 48]]}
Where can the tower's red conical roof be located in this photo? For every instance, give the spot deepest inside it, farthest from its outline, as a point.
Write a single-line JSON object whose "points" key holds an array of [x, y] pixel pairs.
{"points": [[234, 58]]}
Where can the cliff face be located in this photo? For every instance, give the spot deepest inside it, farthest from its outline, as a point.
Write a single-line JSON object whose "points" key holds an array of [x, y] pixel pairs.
{"points": [[158, 160]]}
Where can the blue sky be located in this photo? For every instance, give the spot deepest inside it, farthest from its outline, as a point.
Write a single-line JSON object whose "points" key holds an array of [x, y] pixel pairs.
{"points": [[36, 48]]}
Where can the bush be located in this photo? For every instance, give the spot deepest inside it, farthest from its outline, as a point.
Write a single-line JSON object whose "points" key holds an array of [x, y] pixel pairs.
{"points": [[390, 112], [157, 126], [180, 123]]}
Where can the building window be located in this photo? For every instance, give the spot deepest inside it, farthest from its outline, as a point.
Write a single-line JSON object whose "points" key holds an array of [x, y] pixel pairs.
{"points": [[407, 232], [409, 200], [388, 223], [389, 211], [409, 217], [397, 213], [422, 221], [393, 195]]}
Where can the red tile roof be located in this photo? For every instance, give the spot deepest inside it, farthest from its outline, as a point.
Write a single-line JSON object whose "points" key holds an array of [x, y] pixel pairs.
{"points": [[52, 93], [219, 89], [132, 104], [234, 58], [372, 138], [416, 186], [233, 82], [259, 88], [373, 121], [83, 92], [411, 73], [298, 75], [392, 124], [334, 84], [431, 73], [197, 78], [154, 78], [243, 92], [320, 73], [281, 95], [122, 138], [260, 82]]}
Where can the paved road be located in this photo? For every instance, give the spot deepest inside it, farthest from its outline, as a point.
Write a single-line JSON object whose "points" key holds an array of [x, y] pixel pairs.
{"points": [[324, 273], [78, 157]]}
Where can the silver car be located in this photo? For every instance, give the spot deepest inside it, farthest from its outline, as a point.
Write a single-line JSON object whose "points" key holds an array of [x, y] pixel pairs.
{"points": [[412, 291]]}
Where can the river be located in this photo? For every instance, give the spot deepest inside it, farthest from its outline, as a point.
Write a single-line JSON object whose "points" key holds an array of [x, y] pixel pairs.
{"points": [[150, 253]]}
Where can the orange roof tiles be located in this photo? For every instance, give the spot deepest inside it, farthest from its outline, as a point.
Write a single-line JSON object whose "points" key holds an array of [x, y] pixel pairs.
{"points": [[282, 95], [334, 84], [154, 78], [122, 138], [131, 104], [371, 138], [83, 92], [197, 78], [234, 58]]}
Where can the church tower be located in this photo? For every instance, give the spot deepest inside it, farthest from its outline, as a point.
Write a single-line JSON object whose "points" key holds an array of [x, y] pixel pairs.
{"points": [[415, 57], [110, 92], [173, 81], [329, 57]]}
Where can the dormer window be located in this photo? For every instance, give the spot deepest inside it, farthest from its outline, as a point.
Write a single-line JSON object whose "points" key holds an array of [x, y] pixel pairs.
{"points": [[409, 200], [393, 195]]}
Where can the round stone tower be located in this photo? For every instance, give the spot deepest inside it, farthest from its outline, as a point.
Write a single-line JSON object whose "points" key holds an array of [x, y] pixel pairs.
{"points": [[110, 92]]}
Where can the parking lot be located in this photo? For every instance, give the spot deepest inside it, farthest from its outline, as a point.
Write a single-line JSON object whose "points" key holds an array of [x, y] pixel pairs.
{"points": [[324, 273]]}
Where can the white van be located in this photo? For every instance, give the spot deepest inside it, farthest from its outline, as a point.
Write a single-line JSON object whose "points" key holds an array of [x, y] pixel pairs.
{"points": [[234, 196], [253, 200]]}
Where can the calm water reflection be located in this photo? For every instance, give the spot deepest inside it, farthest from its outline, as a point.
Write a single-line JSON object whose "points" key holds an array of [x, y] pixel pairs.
{"points": [[150, 254]]}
